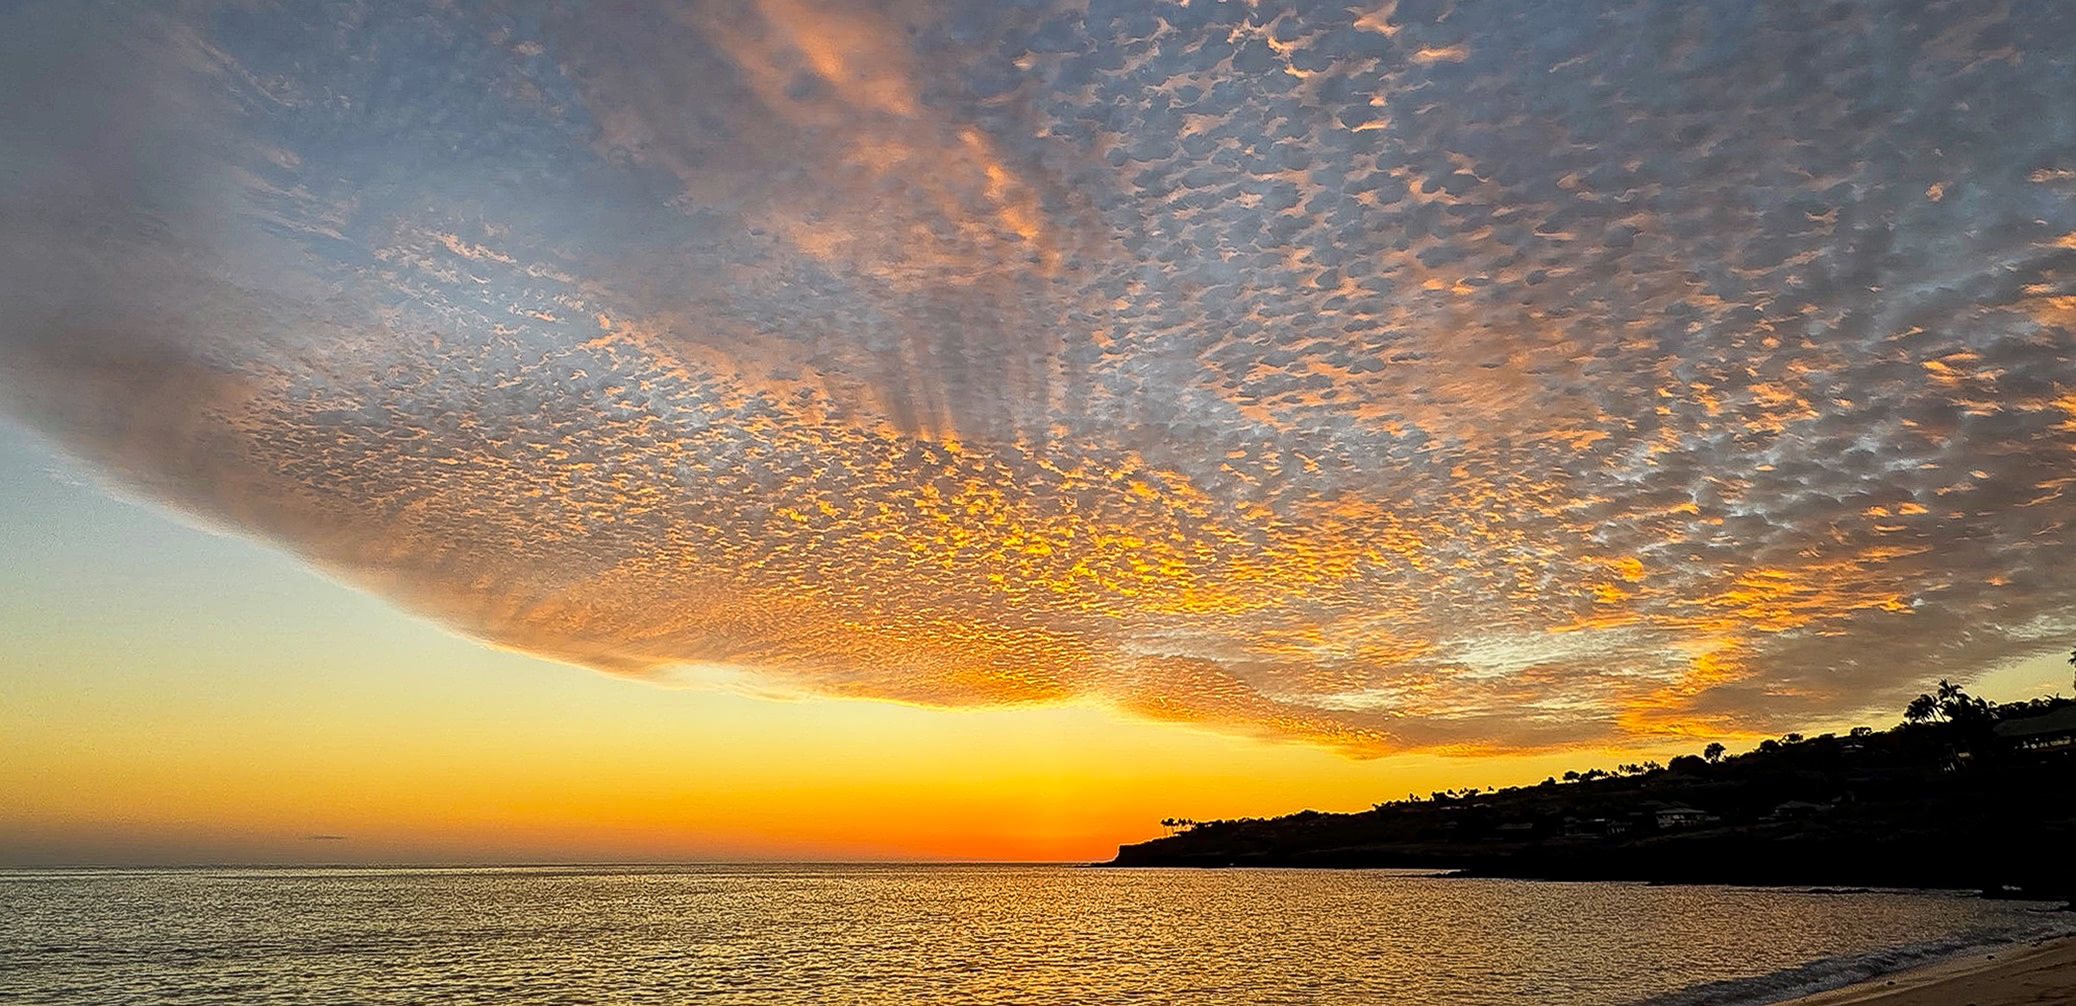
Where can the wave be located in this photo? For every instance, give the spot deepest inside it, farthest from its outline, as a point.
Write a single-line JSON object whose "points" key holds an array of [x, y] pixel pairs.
{"points": [[1837, 972]]}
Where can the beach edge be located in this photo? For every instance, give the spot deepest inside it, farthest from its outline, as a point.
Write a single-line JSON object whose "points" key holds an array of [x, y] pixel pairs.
{"points": [[2008, 975]]}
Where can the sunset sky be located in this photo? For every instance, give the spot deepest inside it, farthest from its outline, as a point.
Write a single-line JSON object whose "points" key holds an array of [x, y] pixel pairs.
{"points": [[798, 429]]}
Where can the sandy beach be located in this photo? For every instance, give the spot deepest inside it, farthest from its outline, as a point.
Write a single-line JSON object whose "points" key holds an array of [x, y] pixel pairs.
{"points": [[2010, 976]]}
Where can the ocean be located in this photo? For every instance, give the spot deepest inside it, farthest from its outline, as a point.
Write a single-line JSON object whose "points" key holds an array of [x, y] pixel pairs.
{"points": [[784, 935]]}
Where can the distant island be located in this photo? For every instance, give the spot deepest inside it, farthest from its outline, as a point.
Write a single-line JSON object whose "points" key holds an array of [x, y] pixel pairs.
{"points": [[1963, 794]]}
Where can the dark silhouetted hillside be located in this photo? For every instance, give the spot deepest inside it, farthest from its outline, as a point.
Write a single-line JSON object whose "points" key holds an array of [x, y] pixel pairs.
{"points": [[1968, 795]]}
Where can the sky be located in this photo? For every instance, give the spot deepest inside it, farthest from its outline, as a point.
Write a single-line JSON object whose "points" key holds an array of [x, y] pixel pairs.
{"points": [[779, 428]]}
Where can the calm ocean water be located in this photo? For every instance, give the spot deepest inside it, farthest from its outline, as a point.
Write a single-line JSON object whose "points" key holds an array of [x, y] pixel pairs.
{"points": [[941, 934]]}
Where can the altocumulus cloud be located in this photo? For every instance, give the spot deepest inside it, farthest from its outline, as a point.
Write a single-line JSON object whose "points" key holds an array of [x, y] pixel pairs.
{"points": [[1384, 376]]}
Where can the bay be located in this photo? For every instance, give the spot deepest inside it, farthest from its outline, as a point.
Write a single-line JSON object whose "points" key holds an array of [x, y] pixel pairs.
{"points": [[781, 935]]}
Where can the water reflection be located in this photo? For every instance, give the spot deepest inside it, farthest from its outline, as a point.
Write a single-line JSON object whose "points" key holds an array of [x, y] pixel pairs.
{"points": [[871, 935]]}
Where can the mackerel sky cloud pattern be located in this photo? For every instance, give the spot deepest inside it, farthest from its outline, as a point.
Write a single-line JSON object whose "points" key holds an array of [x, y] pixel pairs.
{"points": [[1384, 376]]}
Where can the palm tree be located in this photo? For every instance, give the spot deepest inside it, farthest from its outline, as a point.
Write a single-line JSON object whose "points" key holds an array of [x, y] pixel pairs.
{"points": [[1922, 709], [1955, 705]]}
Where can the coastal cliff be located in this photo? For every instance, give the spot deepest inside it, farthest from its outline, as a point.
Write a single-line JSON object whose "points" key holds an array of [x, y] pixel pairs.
{"points": [[1988, 802]]}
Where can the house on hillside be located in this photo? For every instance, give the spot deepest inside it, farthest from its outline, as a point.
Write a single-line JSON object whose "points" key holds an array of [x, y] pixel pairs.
{"points": [[1594, 827], [1796, 809], [1678, 816], [2055, 731]]}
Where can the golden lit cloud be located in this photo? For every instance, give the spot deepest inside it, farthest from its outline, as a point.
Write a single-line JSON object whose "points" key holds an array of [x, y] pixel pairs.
{"points": [[1366, 377]]}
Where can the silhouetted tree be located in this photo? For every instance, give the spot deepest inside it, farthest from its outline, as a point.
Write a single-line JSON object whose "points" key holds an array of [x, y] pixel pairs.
{"points": [[1923, 709], [1951, 704], [1714, 752]]}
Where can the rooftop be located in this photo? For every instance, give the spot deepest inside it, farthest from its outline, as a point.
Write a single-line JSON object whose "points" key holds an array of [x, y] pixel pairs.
{"points": [[2060, 721]]}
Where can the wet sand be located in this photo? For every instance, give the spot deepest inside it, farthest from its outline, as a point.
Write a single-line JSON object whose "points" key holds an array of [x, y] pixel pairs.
{"points": [[2043, 973]]}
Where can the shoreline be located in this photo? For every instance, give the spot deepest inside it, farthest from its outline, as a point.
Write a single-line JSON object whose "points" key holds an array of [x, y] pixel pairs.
{"points": [[2043, 971]]}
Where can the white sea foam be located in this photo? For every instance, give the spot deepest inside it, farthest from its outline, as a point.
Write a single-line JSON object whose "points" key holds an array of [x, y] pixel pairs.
{"points": [[1848, 969]]}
